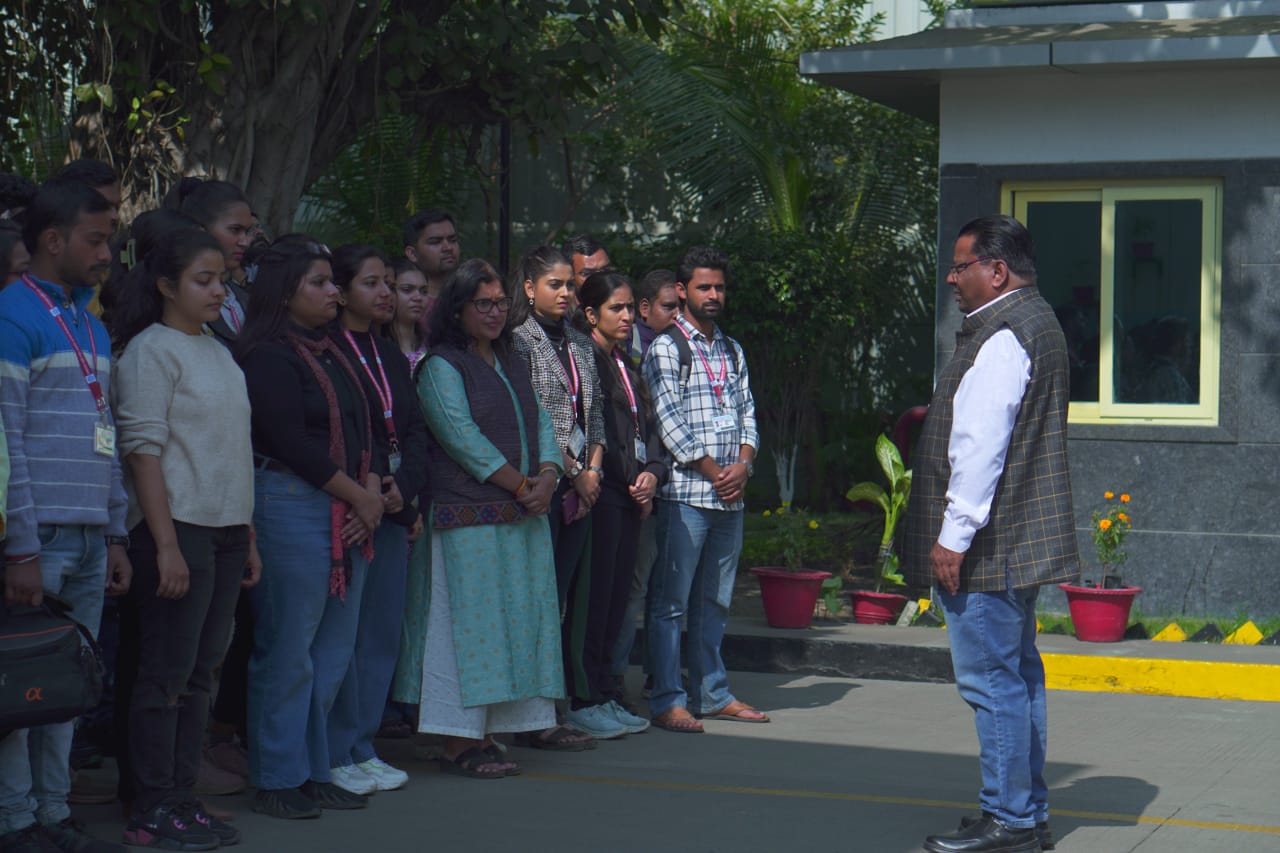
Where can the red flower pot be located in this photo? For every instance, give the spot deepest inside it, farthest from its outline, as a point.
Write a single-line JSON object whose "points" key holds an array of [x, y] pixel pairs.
{"points": [[1099, 615], [789, 597], [876, 608]]}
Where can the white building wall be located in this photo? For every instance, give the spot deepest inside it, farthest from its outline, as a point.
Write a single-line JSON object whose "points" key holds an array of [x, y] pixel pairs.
{"points": [[901, 17], [1132, 117]]}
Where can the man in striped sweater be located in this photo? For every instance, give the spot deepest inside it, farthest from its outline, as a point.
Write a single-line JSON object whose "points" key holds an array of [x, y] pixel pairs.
{"points": [[66, 520]]}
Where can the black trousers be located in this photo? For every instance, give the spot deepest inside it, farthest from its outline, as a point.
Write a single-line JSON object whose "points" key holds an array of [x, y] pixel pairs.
{"points": [[232, 703], [180, 642], [568, 543], [615, 536]]}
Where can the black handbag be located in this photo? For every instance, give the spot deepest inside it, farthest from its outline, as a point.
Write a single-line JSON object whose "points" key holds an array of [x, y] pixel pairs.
{"points": [[50, 666]]}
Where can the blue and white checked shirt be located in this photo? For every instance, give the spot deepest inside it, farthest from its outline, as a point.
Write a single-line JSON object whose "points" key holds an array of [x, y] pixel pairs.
{"points": [[686, 412]]}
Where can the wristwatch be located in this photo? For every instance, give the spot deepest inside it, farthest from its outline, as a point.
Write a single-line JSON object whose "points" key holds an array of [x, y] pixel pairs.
{"points": [[122, 541], [574, 470], [598, 470], [751, 468]]}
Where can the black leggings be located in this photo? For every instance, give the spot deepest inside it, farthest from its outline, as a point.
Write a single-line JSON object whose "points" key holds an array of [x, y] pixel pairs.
{"points": [[615, 534]]}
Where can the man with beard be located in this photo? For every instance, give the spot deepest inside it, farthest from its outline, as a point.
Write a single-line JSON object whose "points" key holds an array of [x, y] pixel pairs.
{"points": [[588, 257], [431, 244], [706, 417], [66, 524]]}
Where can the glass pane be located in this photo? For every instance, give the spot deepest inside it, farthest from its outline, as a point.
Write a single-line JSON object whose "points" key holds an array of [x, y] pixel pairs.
{"points": [[1069, 266], [1157, 289]]}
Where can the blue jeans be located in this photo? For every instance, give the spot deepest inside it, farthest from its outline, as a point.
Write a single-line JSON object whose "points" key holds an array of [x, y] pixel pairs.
{"points": [[999, 673], [303, 636], [357, 712], [697, 563], [35, 772]]}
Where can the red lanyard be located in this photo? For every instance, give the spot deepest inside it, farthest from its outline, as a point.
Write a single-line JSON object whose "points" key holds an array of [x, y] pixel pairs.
{"points": [[384, 388], [90, 372], [717, 384], [626, 385]]}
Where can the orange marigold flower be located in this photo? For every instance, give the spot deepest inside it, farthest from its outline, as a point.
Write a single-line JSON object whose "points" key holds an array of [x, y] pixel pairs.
{"points": [[1124, 499], [1108, 495], [1104, 524], [1123, 517]]}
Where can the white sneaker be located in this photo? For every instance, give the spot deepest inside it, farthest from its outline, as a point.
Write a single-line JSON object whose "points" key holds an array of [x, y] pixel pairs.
{"points": [[597, 721], [353, 779], [383, 774], [632, 723]]}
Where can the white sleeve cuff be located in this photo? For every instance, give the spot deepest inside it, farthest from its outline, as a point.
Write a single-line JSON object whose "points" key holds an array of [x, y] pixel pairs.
{"points": [[955, 536]]}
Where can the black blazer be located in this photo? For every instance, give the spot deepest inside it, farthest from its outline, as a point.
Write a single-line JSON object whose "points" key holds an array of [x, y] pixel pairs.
{"points": [[621, 468]]}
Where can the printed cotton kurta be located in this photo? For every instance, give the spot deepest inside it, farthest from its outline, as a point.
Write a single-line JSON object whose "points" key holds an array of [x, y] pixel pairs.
{"points": [[501, 577]]}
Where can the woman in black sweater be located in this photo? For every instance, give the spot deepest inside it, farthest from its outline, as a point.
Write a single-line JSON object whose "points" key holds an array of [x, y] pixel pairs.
{"points": [[318, 503]]}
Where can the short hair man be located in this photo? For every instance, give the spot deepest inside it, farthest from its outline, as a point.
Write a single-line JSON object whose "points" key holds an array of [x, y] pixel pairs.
{"points": [[587, 257], [66, 522], [431, 243], [707, 419], [990, 520], [96, 175]]}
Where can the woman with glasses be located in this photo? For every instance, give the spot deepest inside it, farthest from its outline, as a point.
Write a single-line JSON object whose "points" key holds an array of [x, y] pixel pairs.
{"points": [[564, 376], [360, 272], [491, 661], [318, 502]]}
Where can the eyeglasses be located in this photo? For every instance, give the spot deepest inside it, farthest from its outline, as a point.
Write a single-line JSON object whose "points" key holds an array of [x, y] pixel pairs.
{"points": [[956, 269], [486, 306]]}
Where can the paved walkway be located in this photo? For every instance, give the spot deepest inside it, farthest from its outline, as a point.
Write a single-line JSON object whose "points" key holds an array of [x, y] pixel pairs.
{"points": [[846, 765]]}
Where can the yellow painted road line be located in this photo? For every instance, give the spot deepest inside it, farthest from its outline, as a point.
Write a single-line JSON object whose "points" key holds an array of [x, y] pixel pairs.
{"points": [[1253, 682], [876, 799]]}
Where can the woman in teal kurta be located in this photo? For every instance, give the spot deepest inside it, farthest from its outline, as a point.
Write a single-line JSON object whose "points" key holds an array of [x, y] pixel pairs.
{"points": [[492, 660]]}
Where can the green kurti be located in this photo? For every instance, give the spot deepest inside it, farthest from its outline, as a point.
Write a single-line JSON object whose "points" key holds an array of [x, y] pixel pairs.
{"points": [[502, 586]]}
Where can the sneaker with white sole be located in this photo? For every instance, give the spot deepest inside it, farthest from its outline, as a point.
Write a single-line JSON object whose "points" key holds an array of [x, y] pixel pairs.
{"points": [[597, 721], [633, 723], [353, 779], [386, 777]]}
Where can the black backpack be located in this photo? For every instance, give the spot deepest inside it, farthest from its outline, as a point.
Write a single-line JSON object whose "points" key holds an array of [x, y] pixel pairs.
{"points": [[50, 666], [685, 353]]}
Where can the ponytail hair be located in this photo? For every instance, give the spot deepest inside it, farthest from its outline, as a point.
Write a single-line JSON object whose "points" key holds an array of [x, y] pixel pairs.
{"points": [[533, 265], [138, 302], [204, 201]]}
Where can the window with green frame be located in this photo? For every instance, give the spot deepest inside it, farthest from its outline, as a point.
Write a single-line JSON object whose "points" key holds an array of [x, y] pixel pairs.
{"points": [[1133, 271]]}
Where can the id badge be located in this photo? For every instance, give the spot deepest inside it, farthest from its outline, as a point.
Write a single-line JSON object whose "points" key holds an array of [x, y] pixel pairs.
{"points": [[104, 439], [393, 461], [577, 442], [724, 423], [642, 454]]}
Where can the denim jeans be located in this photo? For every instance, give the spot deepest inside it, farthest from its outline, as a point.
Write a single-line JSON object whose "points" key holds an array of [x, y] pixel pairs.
{"points": [[697, 563], [357, 712], [303, 636], [35, 772], [180, 643], [999, 673], [638, 602]]}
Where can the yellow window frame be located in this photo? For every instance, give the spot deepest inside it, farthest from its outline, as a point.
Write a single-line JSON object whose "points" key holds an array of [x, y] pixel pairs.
{"points": [[1015, 196]]}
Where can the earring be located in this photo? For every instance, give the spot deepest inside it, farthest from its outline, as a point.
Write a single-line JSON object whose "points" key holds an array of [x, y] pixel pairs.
{"points": [[530, 301]]}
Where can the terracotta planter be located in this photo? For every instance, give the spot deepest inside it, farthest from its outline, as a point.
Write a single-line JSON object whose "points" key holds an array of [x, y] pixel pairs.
{"points": [[1099, 615], [789, 597], [876, 608]]}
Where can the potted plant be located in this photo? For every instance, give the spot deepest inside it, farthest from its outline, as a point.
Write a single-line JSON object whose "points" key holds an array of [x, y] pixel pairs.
{"points": [[1100, 609], [878, 606], [790, 591]]}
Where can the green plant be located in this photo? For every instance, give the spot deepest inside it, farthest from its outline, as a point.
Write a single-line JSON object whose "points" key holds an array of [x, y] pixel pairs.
{"points": [[1111, 525], [893, 503], [794, 534]]}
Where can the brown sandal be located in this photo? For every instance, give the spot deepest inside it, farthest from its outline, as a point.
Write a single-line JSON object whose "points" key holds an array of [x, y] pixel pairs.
{"points": [[678, 720], [739, 712]]}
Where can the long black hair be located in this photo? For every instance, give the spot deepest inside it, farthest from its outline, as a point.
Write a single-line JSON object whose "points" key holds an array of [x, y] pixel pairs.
{"points": [[148, 231], [593, 294], [281, 269], [533, 265], [138, 303], [445, 326]]}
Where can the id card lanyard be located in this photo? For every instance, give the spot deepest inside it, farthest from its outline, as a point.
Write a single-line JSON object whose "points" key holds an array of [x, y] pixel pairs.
{"points": [[641, 451], [385, 397], [717, 383], [104, 434]]}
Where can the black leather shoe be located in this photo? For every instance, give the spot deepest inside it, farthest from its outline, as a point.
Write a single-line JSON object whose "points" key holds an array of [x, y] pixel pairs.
{"points": [[988, 835], [329, 796], [1043, 835]]}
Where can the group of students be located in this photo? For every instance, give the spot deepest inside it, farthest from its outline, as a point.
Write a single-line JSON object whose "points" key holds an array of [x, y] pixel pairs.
{"points": [[334, 479]]}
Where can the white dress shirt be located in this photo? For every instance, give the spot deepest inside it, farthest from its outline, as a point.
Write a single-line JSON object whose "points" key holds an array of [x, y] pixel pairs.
{"points": [[983, 414]]}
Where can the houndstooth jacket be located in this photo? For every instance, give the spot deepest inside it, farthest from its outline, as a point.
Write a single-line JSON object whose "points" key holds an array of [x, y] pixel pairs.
{"points": [[552, 386]]}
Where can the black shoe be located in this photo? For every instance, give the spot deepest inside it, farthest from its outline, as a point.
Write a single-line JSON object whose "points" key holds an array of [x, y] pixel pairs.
{"points": [[226, 834], [165, 828], [285, 803], [1043, 835], [987, 835], [70, 837], [329, 796], [29, 840]]}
